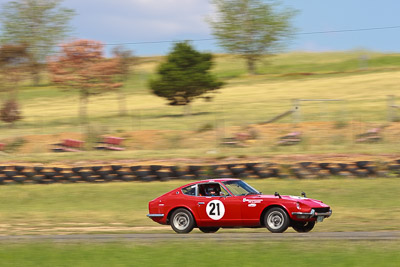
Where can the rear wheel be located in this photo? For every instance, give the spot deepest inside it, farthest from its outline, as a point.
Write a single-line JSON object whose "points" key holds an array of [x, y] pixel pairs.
{"points": [[276, 220], [302, 227], [182, 221], [209, 229]]}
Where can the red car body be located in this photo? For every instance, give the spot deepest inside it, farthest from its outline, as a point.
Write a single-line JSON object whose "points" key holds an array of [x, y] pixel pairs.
{"points": [[234, 204]]}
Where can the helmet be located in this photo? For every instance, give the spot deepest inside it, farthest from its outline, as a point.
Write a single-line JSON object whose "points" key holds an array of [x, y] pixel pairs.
{"points": [[211, 191]]}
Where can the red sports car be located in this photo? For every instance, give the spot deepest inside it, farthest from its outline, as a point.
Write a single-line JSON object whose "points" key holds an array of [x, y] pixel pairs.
{"points": [[212, 204]]}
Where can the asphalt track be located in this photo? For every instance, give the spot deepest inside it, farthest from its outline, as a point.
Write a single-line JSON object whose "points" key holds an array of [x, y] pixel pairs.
{"points": [[141, 238]]}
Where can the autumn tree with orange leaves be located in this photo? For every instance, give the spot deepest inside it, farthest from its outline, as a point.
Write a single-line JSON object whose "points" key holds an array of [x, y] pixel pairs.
{"points": [[81, 67]]}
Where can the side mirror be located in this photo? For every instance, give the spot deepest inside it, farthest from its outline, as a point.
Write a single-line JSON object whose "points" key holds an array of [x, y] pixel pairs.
{"points": [[277, 195], [303, 194]]}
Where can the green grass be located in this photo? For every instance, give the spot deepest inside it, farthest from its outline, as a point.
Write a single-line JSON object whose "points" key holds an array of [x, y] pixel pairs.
{"points": [[204, 253], [358, 205]]}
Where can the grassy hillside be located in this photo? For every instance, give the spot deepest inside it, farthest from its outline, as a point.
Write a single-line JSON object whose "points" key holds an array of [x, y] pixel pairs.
{"points": [[51, 114]]}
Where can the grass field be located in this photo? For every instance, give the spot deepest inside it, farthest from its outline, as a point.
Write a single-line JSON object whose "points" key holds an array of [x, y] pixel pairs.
{"points": [[153, 129], [358, 205], [189, 253], [260, 96]]}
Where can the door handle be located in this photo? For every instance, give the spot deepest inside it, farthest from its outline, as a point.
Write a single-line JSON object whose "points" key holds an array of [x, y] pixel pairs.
{"points": [[200, 203]]}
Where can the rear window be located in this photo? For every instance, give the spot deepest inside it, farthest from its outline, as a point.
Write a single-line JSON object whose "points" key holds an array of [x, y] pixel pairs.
{"points": [[189, 190]]}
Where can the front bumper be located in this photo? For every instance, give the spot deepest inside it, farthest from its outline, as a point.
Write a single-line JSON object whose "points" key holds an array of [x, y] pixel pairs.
{"points": [[311, 214]]}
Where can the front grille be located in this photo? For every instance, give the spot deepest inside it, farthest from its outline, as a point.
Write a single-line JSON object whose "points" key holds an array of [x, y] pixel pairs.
{"points": [[319, 210]]}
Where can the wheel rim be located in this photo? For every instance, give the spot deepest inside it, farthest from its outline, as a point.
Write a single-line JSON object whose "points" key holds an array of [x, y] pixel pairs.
{"points": [[181, 221], [275, 220]]}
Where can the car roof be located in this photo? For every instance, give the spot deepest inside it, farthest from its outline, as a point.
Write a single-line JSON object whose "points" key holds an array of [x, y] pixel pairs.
{"points": [[212, 181], [217, 180]]}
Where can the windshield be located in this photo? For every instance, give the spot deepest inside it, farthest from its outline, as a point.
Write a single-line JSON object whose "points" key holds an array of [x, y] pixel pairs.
{"points": [[240, 188]]}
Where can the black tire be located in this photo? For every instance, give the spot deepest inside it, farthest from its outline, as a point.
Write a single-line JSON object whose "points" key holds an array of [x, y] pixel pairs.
{"points": [[38, 178], [209, 229], [135, 168], [57, 178], [96, 168], [141, 173], [163, 176], [74, 179], [90, 178], [107, 178], [302, 227], [182, 221], [237, 170], [194, 169], [76, 169], [276, 220], [264, 174], [10, 174], [127, 178], [48, 174], [67, 175], [102, 173], [149, 178], [19, 168], [38, 169], [116, 167], [58, 169], [19, 179], [155, 168]]}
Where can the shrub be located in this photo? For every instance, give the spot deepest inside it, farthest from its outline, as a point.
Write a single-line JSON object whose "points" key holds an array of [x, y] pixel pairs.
{"points": [[10, 112], [205, 127], [15, 144], [340, 124]]}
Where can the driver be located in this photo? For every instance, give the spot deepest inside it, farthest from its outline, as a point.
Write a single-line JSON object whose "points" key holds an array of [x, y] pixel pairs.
{"points": [[211, 191]]}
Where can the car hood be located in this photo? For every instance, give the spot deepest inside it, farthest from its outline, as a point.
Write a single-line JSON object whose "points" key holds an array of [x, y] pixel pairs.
{"points": [[303, 200]]}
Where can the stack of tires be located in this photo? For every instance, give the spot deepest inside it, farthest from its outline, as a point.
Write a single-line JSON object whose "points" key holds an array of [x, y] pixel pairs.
{"points": [[309, 170], [147, 173]]}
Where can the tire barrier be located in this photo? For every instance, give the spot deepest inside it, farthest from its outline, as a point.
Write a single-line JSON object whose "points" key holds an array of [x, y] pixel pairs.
{"points": [[21, 174]]}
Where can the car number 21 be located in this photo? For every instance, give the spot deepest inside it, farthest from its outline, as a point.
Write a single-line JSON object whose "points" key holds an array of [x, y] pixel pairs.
{"points": [[215, 209]]}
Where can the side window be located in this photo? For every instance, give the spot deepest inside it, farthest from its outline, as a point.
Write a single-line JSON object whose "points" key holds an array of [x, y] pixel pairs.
{"points": [[212, 190], [189, 190]]}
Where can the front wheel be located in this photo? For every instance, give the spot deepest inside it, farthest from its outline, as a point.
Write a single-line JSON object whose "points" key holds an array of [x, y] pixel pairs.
{"points": [[302, 227], [209, 229], [182, 221], [276, 220]]}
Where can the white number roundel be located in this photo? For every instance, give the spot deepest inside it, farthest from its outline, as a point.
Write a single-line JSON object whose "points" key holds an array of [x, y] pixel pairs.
{"points": [[215, 209]]}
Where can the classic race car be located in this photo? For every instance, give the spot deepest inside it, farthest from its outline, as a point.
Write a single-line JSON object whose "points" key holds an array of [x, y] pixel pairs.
{"points": [[227, 203]]}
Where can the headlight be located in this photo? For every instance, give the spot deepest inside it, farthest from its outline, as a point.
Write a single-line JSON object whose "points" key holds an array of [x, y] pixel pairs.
{"points": [[298, 205]]}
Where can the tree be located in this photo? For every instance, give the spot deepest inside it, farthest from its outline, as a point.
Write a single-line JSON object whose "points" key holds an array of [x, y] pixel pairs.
{"points": [[184, 76], [125, 61], [250, 28], [13, 61], [13, 65], [80, 66], [39, 24]]}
